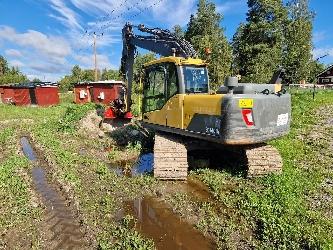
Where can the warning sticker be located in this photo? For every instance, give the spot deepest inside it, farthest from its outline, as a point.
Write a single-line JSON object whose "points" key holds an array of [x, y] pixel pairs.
{"points": [[245, 103]]}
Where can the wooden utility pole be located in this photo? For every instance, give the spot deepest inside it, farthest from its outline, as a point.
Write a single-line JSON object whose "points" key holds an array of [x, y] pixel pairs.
{"points": [[95, 57]]}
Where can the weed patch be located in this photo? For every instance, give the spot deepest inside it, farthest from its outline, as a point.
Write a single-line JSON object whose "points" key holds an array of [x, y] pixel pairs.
{"points": [[73, 114]]}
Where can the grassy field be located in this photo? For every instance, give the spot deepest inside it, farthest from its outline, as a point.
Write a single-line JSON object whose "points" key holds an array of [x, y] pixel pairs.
{"points": [[289, 211]]}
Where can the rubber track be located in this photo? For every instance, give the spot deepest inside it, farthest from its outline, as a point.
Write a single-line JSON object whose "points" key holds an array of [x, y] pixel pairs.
{"points": [[263, 160], [170, 157]]}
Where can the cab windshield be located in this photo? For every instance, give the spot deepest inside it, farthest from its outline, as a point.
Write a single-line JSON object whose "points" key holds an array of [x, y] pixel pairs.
{"points": [[196, 79]]}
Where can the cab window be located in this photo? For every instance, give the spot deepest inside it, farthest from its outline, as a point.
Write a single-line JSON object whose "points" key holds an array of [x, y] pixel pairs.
{"points": [[154, 93], [172, 80], [161, 83], [196, 79]]}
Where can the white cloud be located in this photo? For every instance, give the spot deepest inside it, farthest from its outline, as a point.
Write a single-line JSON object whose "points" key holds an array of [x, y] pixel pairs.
{"points": [[39, 53], [41, 43], [87, 61], [47, 67], [13, 53], [67, 16], [232, 6], [97, 6], [319, 36], [319, 52], [112, 13], [174, 12], [16, 63]]}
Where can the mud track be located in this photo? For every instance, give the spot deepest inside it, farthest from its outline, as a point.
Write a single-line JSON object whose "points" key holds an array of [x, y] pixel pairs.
{"points": [[61, 227]]}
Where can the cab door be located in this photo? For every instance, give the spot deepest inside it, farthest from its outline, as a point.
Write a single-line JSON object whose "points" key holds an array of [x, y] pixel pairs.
{"points": [[154, 95], [174, 103]]}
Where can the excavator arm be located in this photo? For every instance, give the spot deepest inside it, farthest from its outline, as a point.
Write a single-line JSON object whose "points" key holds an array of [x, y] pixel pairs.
{"points": [[160, 41]]}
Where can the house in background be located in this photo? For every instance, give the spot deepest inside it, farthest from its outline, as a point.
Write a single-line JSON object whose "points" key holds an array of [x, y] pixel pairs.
{"points": [[325, 77]]}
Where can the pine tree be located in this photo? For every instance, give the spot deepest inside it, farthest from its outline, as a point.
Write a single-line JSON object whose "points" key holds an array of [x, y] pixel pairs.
{"points": [[3, 66], [258, 44], [204, 31], [298, 41], [178, 31]]}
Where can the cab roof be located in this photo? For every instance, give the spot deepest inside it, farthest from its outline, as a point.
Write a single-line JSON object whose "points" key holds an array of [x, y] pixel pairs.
{"points": [[177, 61]]}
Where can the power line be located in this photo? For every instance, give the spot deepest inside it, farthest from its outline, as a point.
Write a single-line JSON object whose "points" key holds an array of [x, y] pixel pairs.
{"points": [[147, 8], [105, 17], [108, 22], [104, 27]]}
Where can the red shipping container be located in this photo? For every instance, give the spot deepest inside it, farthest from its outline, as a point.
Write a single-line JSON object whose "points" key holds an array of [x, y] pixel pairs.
{"points": [[98, 92], [42, 94]]}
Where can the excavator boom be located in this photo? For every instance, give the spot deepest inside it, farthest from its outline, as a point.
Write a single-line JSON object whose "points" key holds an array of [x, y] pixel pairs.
{"points": [[161, 42]]}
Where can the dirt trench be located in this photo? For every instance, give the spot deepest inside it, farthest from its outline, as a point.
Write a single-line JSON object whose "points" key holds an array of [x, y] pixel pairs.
{"points": [[61, 227]]}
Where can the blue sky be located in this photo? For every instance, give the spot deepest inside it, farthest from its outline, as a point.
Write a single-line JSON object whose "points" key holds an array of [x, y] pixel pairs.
{"points": [[45, 38]]}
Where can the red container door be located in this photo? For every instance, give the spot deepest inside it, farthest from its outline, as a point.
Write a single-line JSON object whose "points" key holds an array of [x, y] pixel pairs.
{"points": [[82, 94], [103, 94], [46, 96], [8, 95], [22, 97]]}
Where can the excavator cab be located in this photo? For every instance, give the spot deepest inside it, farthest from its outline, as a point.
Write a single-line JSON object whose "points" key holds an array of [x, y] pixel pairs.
{"points": [[166, 81]]}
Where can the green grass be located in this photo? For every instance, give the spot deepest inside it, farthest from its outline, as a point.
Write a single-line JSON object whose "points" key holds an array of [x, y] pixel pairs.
{"points": [[278, 206], [98, 190], [94, 186], [73, 114], [17, 213], [274, 212]]}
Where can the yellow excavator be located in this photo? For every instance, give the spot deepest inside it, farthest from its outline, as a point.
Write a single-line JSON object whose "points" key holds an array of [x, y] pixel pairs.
{"points": [[177, 103]]}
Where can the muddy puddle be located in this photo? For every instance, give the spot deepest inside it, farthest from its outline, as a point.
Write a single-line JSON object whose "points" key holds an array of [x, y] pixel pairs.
{"points": [[144, 165], [197, 189], [156, 221], [62, 228]]}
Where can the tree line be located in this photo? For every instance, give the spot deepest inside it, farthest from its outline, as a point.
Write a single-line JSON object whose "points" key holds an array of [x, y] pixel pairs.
{"points": [[86, 75], [274, 35], [9, 75]]}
